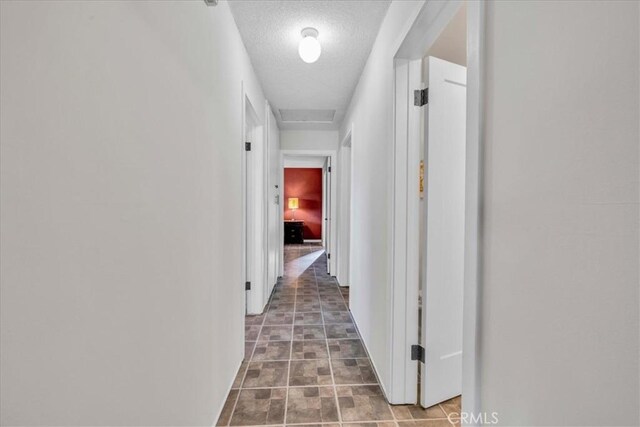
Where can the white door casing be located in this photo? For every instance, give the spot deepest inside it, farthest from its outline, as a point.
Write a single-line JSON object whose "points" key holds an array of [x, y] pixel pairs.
{"points": [[273, 203], [343, 223], [255, 215], [248, 203], [328, 225]]}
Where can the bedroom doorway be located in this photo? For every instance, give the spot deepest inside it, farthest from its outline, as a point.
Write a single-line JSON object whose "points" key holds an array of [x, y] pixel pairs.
{"points": [[308, 206]]}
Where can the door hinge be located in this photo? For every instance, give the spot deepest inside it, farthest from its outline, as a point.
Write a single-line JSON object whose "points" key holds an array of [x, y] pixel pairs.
{"points": [[329, 169], [247, 146], [417, 353], [421, 97], [247, 286], [328, 256]]}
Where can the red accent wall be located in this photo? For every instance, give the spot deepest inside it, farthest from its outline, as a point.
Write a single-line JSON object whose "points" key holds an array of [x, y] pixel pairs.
{"points": [[306, 185]]}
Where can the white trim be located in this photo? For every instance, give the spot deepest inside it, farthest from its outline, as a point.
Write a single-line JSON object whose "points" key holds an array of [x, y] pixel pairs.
{"points": [[413, 43], [473, 203], [400, 390], [270, 190], [324, 153], [266, 288], [243, 191], [256, 299], [281, 208], [406, 229], [325, 224], [343, 184]]}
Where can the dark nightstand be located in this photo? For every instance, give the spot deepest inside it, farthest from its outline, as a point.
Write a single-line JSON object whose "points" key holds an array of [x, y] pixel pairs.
{"points": [[293, 232]]}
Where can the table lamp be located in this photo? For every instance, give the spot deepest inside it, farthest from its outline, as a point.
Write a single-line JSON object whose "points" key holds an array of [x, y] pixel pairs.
{"points": [[293, 205]]}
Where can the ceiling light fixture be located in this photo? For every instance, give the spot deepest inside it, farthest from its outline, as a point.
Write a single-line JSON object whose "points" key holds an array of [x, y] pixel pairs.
{"points": [[309, 49]]}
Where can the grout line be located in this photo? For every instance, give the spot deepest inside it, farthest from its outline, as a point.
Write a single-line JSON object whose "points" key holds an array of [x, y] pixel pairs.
{"points": [[333, 377], [289, 286], [336, 422], [317, 358], [311, 339], [305, 386], [286, 398], [412, 420], [447, 414]]}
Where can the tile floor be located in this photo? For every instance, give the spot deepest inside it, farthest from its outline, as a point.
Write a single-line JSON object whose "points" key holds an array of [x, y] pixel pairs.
{"points": [[306, 365]]}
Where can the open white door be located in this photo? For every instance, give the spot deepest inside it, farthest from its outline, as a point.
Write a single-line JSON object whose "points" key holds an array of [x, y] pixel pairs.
{"points": [[443, 270]]}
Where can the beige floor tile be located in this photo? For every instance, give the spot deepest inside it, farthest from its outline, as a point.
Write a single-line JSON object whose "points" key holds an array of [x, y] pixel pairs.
{"points": [[310, 372], [417, 412], [452, 406], [259, 407], [310, 349], [363, 403], [311, 405], [353, 371], [266, 374]]}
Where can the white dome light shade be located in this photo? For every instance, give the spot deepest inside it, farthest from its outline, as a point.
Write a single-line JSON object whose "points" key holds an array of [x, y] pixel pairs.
{"points": [[309, 48]]}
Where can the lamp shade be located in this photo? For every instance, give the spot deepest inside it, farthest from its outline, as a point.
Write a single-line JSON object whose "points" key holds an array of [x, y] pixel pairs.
{"points": [[293, 203]]}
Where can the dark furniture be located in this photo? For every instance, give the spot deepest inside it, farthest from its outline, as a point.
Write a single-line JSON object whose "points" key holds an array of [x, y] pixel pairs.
{"points": [[293, 232]]}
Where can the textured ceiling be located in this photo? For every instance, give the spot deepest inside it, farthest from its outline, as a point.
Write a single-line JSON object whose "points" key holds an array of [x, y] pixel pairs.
{"points": [[271, 33]]}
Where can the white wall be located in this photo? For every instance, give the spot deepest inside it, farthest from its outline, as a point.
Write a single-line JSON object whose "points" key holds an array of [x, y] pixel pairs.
{"points": [[120, 153], [451, 43], [305, 161], [308, 140], [371, 114], [559, 322]]}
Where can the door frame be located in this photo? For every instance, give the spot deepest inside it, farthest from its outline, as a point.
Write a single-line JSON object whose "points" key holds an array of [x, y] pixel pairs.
{"points": [[418, 36], [254, 214], [271, 197], [343, 229], [331, 263], [328, 220]]}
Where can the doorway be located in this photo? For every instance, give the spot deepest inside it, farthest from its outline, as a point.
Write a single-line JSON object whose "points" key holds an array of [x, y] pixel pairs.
{"points": [[308, 201], [436, 206], [254, 211], [304, 207]]}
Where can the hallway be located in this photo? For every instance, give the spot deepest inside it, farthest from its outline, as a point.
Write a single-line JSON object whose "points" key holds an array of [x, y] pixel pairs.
{"points": [[305, 362]]}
